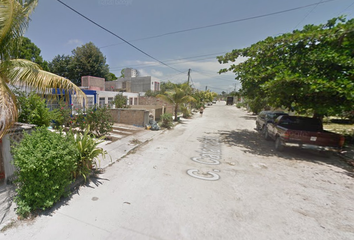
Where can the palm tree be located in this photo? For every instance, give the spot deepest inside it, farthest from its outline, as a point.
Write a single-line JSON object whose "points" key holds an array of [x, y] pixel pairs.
{"points": [[179, 95], [14, 19]]}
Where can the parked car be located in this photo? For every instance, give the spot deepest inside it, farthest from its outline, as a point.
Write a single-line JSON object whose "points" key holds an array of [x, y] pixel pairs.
{"points": [[302, 132], [265, 117]]}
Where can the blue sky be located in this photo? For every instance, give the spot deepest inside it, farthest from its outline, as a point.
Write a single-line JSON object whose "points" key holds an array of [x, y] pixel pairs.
{"points": [[55, 29]]}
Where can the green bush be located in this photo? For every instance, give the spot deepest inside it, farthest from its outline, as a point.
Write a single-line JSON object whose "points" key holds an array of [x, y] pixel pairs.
{"points": [[88, 151], [185, 111], [45, 162], [33, 109], [166, 120], [120, 101], [97, 119], [62, 115], [240, 105]]}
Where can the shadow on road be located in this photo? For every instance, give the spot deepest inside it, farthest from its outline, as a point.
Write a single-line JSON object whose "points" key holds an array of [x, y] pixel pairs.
{"points": [[253, 142], [94, 181]]}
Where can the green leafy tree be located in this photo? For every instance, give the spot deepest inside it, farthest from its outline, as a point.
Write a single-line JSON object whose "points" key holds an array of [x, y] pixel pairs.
{"points": [[179, 95], [111, 77], [28, 50], [88, 60], [60, 65], [203, 97], [14, 18], [120, 101], [308, 69]]}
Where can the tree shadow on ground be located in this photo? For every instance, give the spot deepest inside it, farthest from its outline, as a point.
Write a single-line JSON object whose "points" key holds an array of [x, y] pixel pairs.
{"points": [[93, 182], [249, 117], [253, 142]]}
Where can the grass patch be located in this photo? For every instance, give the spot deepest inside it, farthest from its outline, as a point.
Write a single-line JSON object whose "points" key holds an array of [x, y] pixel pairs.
{"points": [[339, 128], [135, 141], [346, 129]]}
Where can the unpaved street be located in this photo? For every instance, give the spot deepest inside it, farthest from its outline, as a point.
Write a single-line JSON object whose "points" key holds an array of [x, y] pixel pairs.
{"points": [[212, 177]]}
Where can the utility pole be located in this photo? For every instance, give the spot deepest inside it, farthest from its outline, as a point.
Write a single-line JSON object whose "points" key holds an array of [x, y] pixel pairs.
{"points": [[189, 74]]}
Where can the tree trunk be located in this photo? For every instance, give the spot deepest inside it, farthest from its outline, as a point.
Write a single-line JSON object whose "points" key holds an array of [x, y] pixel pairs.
{"points": [[318, 116], [176, 108]]}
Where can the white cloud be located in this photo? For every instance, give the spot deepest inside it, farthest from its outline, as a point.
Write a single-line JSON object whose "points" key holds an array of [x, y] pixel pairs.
{"points": [[156, 73], [75, 42]]}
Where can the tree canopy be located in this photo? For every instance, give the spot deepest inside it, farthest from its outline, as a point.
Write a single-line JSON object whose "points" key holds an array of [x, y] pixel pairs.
{"points": [[60, 65], [86, 60], [28, 50], [308, 69], [180, 94], [15, 16]]}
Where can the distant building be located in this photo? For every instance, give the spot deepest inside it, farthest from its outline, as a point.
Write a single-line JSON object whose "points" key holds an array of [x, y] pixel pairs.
{"points": [[132, 82], [93, 83]]}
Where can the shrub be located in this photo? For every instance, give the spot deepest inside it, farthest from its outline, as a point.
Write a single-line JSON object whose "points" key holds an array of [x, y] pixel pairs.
{"points": [[62, 115], [33, 109], [166, 120], [120, 101], [240, 105], [88, 151], [185, 111], [45, 162], [97, 119]]}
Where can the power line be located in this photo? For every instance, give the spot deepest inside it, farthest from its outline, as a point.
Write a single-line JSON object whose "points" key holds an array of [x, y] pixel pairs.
{"points": [[105, 29], [224, 23], [308, 14], [216, 76], [171, 62], [346, 8]]}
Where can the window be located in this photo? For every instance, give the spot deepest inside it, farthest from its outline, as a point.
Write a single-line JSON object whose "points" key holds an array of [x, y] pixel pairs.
{"points": [[110, 101], [130, 101], [76, 104], [52, 104], [135, 101], [90, 101], [102, 102]]}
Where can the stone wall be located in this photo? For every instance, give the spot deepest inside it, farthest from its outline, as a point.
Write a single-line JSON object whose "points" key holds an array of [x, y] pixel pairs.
{"points": [[137, 117]]}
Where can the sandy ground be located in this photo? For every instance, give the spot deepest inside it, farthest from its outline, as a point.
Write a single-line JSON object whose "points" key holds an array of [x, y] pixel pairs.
{"points": [[212, 177]]}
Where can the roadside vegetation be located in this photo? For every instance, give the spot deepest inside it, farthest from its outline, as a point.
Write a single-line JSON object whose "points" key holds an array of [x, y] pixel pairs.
{"points": [[307, 72], [15, 16], [309, 69], [47, 163]]}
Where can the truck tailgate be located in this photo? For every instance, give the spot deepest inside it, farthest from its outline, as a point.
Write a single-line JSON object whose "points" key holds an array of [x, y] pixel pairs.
{"points": [[323, 138]]}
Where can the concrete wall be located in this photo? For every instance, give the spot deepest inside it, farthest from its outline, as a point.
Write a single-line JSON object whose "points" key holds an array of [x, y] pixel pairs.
{"points": [[137, 117], [93, 83], [156, 111], [153, 101], [113, 85], [134, 84]]}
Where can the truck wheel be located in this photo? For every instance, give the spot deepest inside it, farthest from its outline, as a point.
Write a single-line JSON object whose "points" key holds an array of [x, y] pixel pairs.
{"points": [[265, 133], [278, 144]]}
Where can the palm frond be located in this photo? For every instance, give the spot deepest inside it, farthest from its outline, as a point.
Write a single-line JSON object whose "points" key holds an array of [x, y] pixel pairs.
{"points": [[25, 73], [8, 108], [14, 19], [167, 97]]}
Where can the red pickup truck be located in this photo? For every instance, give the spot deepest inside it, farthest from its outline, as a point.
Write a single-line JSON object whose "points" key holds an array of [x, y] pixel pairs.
{"points": [[302, 132]]}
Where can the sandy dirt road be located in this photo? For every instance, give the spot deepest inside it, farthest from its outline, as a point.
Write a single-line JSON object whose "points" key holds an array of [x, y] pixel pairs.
{"points": [[212, 177]]}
